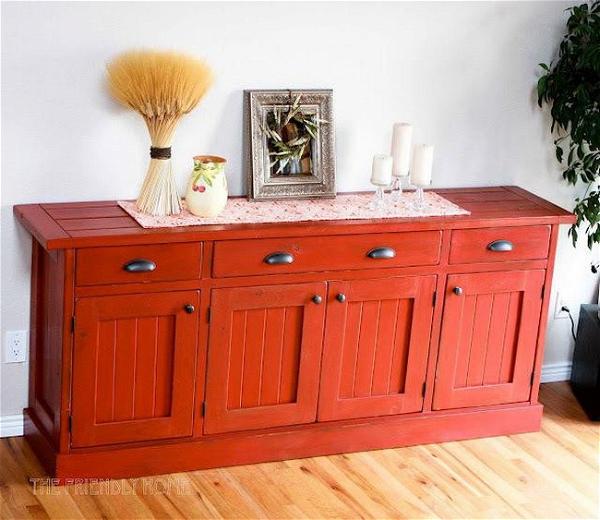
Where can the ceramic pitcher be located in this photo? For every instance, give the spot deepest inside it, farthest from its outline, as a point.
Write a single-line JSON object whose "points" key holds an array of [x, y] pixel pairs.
{"points": [[207, 190]]}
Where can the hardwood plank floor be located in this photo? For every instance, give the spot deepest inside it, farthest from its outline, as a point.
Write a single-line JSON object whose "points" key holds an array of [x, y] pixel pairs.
{"points": [[550, 474]]}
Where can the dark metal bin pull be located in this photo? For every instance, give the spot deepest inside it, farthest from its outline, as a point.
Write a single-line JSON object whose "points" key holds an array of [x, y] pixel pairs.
{"points": [[279, 258], [382, 252], [500, 245], [139, 265]]}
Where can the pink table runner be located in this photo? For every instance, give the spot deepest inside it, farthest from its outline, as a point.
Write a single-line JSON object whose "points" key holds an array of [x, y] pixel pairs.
{"points": [[343, 207]]}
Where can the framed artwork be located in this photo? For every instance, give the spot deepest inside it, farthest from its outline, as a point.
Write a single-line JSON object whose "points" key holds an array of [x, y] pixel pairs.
{"points": [[289, 144]]}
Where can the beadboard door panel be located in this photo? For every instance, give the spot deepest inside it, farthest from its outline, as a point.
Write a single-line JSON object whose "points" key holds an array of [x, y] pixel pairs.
{"points": [[488, 340], [376, 346], [134, 367], [264, 356]]}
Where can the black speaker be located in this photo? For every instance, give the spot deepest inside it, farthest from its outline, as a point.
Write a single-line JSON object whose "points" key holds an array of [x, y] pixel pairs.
{"points": [[585, 375]]}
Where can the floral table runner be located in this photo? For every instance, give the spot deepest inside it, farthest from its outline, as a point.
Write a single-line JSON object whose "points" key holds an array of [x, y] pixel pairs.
{"points": [[343, 207]]}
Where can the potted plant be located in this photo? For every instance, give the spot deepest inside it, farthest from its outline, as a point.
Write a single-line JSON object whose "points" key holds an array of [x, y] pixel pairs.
{"points": [[571, 87]]}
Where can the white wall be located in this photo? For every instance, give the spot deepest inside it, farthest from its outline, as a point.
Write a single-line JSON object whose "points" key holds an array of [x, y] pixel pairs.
{"points": [[462, 73]]}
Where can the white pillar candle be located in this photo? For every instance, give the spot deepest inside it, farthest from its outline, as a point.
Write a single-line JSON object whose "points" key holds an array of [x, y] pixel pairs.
{"points": [[401, 141], [420, 173], [381, 174]]}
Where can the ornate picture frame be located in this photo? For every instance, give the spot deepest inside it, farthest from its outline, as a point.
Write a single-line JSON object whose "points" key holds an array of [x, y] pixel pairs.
{"points": [[289, 144]]}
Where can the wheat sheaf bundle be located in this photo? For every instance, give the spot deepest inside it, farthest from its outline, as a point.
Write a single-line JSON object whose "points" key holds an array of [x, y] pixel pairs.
{"points": [[162, 87]]}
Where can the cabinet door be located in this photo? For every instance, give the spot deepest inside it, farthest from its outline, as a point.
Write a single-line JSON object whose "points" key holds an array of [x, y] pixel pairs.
{"points": [[264, 356], [488, 340], [376, 345], [133, 372]]}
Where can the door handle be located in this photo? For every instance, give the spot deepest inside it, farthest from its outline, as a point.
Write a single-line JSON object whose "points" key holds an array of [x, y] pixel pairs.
{"points": [[279, 258], [139, 265], [341, 297], [189, 308], [458, 291], [317, 299], [500, 246], [382, 252]]}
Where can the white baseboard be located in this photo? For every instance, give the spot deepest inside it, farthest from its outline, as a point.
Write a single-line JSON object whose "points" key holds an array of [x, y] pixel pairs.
{"points": [[556, 372], [12, 425]]}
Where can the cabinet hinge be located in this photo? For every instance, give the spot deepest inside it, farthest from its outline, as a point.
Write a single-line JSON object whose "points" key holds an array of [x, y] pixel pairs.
{"points": [[208, 315], [70, 423], [543, 291], [72, 324], [531, 378], [203, 410], [434, 298], [423, 388]]}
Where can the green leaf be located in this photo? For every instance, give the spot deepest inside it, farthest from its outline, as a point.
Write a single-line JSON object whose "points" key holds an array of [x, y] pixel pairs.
{"points": [[275, 135], [571, 156], [542, 89], [573, 234], [297, 142], [282, 164], [559, 153]]}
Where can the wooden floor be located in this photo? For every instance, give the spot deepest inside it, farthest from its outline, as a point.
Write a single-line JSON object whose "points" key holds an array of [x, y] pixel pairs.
{"points": [[551, 474]]}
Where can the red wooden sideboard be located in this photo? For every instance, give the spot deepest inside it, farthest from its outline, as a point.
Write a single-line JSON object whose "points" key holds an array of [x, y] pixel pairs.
{"points": [[167, 350]]}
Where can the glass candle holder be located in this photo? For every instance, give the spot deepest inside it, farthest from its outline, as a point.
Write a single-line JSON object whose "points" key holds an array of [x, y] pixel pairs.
{"points": [[378, 200], [396, 193], [419, 202]]}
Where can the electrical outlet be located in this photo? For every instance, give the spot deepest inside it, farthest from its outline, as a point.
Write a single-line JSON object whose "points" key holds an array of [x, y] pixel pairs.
{"points": [[15, 346], [561, 302]]}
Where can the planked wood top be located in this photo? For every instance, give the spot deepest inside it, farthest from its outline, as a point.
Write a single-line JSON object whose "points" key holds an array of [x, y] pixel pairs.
{"points": [[88, 224]]}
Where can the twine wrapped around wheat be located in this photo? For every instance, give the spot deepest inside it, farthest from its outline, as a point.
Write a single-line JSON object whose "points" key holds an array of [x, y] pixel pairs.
{"points": [[162, 87]]}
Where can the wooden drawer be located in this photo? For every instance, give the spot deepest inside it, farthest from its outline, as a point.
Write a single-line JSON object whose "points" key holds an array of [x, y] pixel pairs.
{"points": [[260, 256], [499, 244], [130, 264]]}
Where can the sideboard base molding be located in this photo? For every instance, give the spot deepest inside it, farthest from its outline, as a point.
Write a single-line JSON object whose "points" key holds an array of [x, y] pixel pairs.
{"points": [[308, 441]]}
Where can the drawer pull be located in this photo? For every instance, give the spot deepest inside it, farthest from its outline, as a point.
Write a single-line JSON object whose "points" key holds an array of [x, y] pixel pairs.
{"points": [[279, 258], [500, 245], [139, 265], [458, 291], [382, 253]]}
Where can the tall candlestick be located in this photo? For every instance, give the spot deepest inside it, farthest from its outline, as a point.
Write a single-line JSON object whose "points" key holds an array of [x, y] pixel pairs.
{"points": [[381, 174], [420, 173], [401, 141]]}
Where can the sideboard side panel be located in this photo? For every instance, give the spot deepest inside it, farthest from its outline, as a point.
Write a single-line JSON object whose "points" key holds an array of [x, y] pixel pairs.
{"points": [[535, 388], [46, 338]]}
